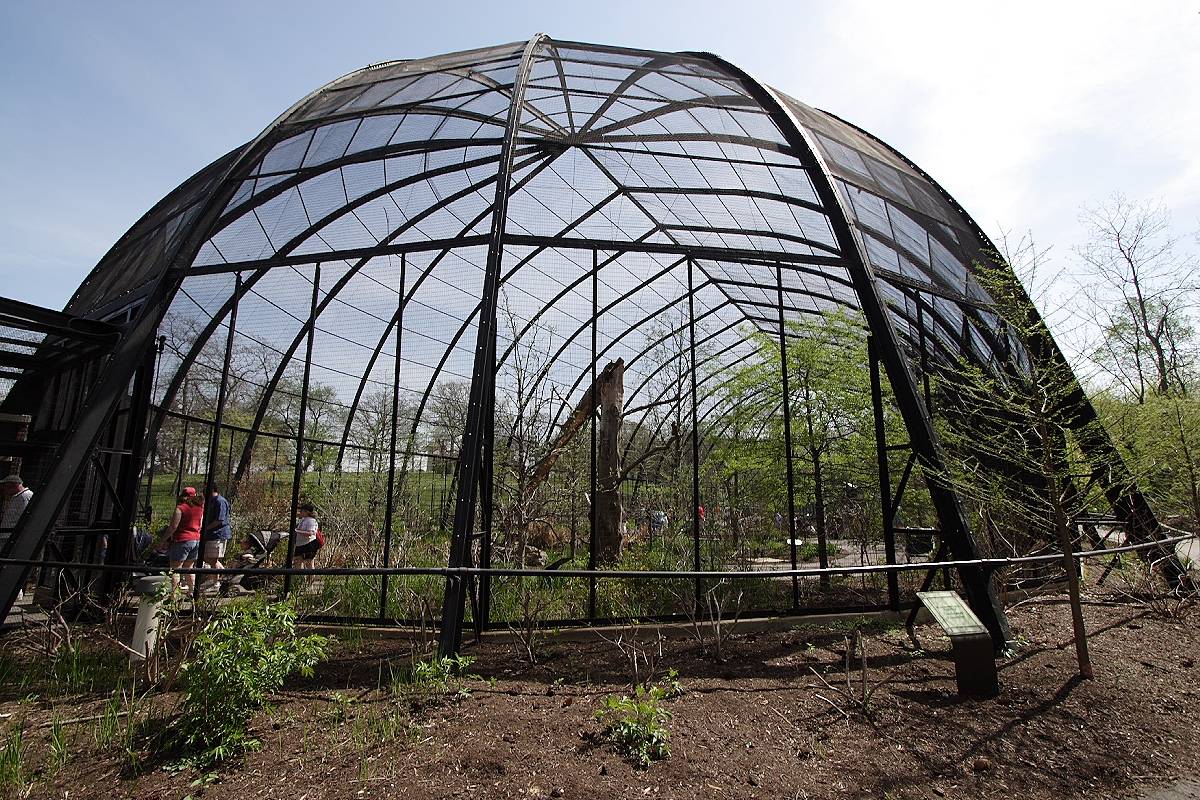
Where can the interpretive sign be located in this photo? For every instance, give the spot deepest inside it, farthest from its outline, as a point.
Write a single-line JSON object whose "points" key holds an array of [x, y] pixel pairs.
{"points": [[970, 642]]}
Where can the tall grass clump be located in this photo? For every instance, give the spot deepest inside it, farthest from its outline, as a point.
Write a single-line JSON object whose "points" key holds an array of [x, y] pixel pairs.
{"points": [[13, 769]]}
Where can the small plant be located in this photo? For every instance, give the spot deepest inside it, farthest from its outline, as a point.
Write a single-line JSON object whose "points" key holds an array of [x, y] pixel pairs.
{"points": [[643, 655], [341, 707], [109, 725], [1169, 599], [671, 685], [241, 656], [429, 681], [201, 783], [859, 701], [636, 725], [724, 601], [438, 673], [60, 741], [530, 609]]}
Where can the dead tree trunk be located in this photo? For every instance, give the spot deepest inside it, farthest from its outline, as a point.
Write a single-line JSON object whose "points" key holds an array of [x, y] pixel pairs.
{"points": [[610, 399], [608, 396]]}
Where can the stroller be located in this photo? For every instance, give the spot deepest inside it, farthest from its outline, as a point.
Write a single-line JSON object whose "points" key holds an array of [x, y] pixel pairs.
{"points": [[256, 558], [143, 554]]}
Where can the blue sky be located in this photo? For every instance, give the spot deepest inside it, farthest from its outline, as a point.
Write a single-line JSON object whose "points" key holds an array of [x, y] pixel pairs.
{"points": [[1022, 110]]}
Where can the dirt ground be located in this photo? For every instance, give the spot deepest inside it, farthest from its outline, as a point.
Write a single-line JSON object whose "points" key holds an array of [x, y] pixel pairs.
{"points": [[772, 719]]}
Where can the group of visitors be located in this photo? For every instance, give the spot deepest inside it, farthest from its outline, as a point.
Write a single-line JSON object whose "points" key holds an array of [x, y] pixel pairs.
{"points": [[181, 538], [182, 535]]}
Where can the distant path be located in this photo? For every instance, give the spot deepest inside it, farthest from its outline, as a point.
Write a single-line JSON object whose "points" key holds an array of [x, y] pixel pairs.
{"points": [[1189, 552], [1186, 789]]}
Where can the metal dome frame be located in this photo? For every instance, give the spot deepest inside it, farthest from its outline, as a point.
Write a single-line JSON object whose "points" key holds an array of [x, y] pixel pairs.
{"points": [[373, 234]]}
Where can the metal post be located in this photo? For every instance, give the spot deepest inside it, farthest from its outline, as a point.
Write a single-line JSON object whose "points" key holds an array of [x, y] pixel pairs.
{"points": [[135, 444], [183, 444], [695, 433], [481, 606], [391, 486], [885, 480], [215, 443], [787, 440], [149, 508], [592, 513], [299, 463], [483, 370]]}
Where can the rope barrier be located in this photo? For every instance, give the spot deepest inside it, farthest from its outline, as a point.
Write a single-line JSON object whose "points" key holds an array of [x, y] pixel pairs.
{"points": [[461, 572]]}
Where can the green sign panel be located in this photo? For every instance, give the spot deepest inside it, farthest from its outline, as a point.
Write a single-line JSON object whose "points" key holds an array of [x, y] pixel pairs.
{"points": [[952, 613]]}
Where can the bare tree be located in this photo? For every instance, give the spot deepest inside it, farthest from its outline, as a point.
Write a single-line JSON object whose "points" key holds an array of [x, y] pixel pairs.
{"points": [[1139, 290]]}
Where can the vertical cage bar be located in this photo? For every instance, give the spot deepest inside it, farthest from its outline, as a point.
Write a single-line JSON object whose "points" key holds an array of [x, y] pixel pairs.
{"points": [[483, 373], [592, 512], [299, 463], [787, 438], [149, 508], [695, 432], [183, 439], [135, 443], [885, 480], [214, 449], [389, 509], [481, 605]]}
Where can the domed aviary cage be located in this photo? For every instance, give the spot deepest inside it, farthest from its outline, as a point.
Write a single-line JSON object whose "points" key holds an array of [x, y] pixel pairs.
{"points": [[550, 306]]}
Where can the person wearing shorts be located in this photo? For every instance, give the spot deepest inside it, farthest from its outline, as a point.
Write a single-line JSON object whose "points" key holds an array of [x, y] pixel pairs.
{"points": [[307, 545], [217, 534], [183, 535]]}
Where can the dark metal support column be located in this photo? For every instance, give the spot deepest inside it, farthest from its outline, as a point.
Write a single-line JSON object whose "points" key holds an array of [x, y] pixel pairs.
{"points": [[297, 473], [480, 601], [698, 565], [214, 447], [148, 509], [482, 400], [183, 440], [787, 440], [592, 513], [127, 483], [923, 345], [885, 479], [388, 510]]}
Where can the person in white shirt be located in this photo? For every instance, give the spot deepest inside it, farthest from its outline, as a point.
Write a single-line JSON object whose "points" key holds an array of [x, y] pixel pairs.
{"points": [[307, 543], [17, 497]]}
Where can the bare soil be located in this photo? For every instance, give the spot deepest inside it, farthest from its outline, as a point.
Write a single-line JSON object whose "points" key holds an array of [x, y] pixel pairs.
{"points": [[760, 723]]}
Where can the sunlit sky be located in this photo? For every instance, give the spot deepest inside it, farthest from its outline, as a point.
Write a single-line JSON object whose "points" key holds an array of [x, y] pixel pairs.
{"points": [[1023, 111]]}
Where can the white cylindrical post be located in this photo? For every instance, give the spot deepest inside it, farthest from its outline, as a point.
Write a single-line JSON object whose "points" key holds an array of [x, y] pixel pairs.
{"points": [[145, 632]]}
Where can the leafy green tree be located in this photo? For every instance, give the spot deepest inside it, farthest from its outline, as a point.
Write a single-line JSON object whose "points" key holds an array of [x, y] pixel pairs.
{"points": [[1160, 440], [1014, 428], [324, 419], [831, 416]]}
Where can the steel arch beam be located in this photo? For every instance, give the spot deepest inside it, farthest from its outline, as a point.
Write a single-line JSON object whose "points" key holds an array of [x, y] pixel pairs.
{"points": [[479, 412], [956, 526]]}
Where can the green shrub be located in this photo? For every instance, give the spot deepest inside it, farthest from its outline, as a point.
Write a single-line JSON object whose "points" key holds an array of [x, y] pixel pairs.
{"points": [[241, 657], [636, 724]]}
